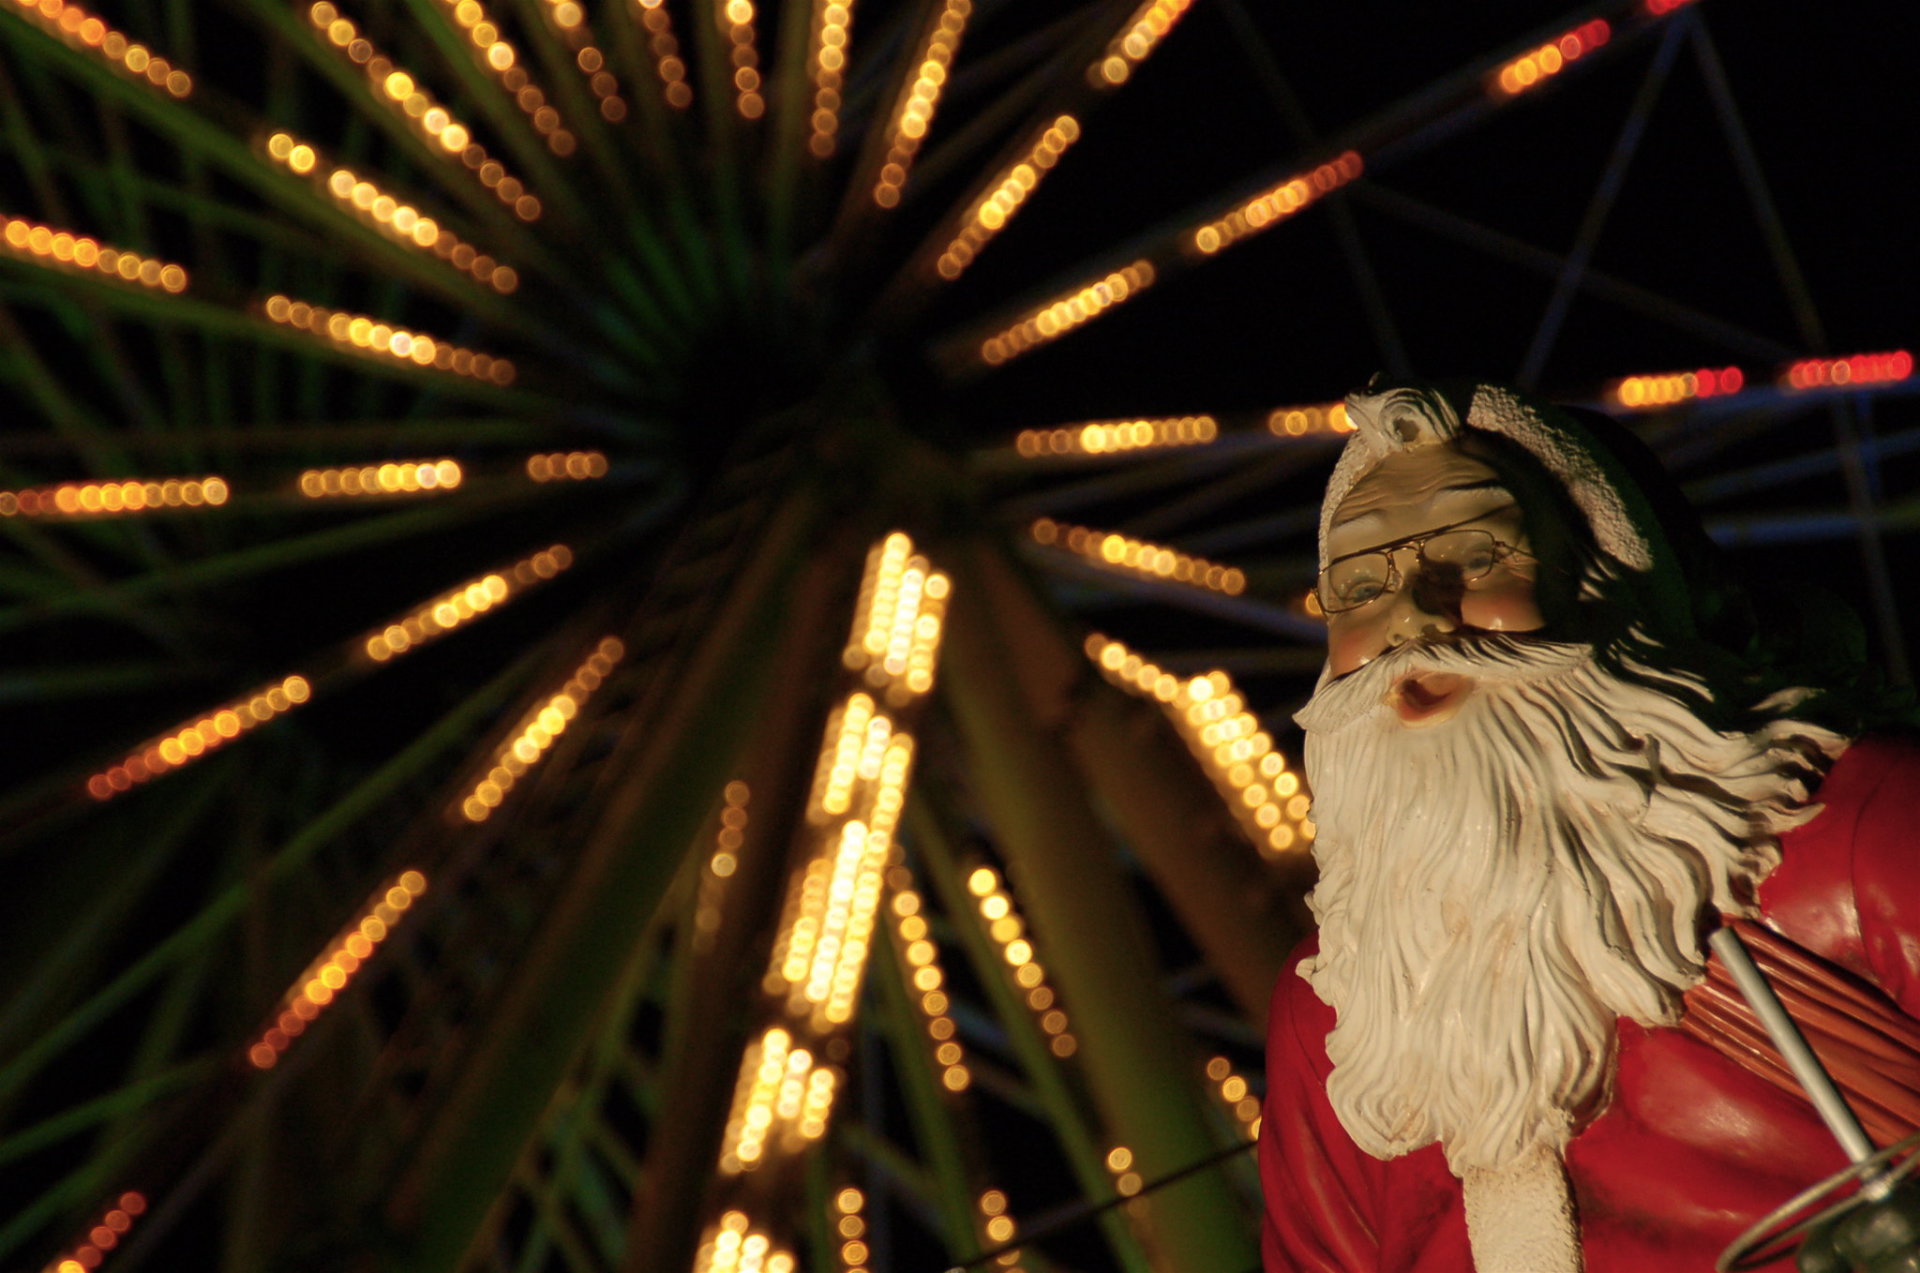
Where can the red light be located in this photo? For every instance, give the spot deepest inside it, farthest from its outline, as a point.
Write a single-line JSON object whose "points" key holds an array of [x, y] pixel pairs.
{"points": [[1857, 369]]}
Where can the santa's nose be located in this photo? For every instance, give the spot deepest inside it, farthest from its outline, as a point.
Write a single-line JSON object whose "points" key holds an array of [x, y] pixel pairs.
{"points": [[1427, 603]]}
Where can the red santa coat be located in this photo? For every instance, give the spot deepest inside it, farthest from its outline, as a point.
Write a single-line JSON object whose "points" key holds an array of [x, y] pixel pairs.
{"points": [[1694, 1147]]}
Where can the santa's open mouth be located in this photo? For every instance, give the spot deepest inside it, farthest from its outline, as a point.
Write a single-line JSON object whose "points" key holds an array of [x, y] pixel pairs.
{"points": [[1427, 698]]}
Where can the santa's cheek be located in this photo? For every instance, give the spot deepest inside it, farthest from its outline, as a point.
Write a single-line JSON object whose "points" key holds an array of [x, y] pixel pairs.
{"points": [[1509, 606], [1353, 643]]}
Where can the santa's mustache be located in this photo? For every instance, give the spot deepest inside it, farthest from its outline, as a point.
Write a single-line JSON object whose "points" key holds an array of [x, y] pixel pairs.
{"points": [[1492, 657]]}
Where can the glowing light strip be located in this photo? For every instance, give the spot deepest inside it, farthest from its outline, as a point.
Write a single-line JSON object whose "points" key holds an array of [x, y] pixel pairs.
{"points": [[1233, 1093], [385, 340], [667, 63], [1010, 189], [398, 90], [104, 1236], [336, 965], [1297, 422], [1274, 206], [1136, 41], [1110, 437], [721, 866], [734, 1246], [1644, 393], [193, 739], [63, 249], [1530, 70], [849, 1204], [570, 20], [98, 499], [783, 1094], [461, 605], [75, 27], [1007, 930], [502, 61], [998, 1228], [1859, 369], [401, 222], [536, 731], [1136, 556], [913, 115], [897, 621], [922, 960], [736, 23], [1056, 318], [1270, 801], [826, 59], [1126, 1181], [563, 466], [408, 477]]}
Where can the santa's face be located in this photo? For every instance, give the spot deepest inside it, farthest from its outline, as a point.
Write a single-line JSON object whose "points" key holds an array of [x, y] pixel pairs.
{"points": [[1393, 579]]}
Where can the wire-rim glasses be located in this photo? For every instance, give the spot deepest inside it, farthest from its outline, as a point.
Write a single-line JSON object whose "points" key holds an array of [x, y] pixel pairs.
{"points": [[1458, 551]]}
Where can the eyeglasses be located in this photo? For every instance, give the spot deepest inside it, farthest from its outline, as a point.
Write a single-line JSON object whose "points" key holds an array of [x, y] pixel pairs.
{"points": [[1457, 552]]}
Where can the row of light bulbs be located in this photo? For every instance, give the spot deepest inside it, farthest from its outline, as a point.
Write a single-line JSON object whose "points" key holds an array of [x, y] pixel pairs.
{"points": [[386, 340], [103, 1235], [570, 20], [537, 731], [393, 218], [1058, 317], [665, 48], [827, 63], [736, 23], [1137, 556], [1006, 192], [899, 617], [395, 88], [735, 1245], [502, 61], [323, 979], [187, 742], [64, 250], [1265, 796], [133, 495], [1537, 66], [920, 98], [1235, 1094], [79, 29], [1112, 437], [922, 959], [442, 614], [1136, 42], [1008, 932], [1270, 207], [784, 1096]]}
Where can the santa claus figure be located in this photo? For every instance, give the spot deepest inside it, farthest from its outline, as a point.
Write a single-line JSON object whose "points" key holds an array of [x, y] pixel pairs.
{"points": [[1543, 773]]}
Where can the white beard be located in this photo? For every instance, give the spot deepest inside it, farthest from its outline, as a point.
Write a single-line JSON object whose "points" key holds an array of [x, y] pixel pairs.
{"points": [[1497, 888]]}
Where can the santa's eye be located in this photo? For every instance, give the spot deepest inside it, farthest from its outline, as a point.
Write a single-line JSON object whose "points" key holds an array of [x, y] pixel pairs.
{"points": [[1471, 552], [1357, 580]]}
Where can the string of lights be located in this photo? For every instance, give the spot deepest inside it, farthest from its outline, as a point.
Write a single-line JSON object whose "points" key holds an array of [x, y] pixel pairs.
{"points": [[322, 981], [1536, 67], [734, 1245], [102, 499], [384, 340], [442, 614], [998, 1227], [1235, 1095], [920, 98], [1006, 192], [1113, 437], [1298, 422], [1267, 798], [920, 960], [898, 621], [826, 63], [397, 90], [570, 21], [189, 741], [1009, 932], [721, 865], [1058, 317], [850, 1225], [402, 477], [396, 220], [1270, 207], [1136, 42], [736, 24], [79, 29], [1114, 551], [665, 48], [102, 1236], [59, 249], [565, 466], [502, 61], [535, 732]]}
